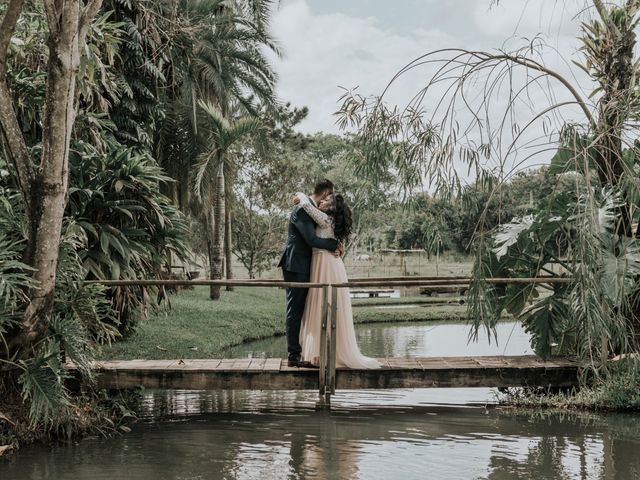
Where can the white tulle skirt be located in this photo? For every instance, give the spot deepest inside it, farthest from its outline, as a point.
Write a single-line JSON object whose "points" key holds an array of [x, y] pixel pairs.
{"points": [[326, 268]]}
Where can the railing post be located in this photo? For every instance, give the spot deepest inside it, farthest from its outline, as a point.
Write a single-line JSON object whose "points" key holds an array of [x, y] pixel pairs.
{"points": [[331, 376], [324, 347]]}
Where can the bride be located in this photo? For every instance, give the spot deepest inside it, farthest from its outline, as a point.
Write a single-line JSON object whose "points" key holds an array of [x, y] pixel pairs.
{"points": [[333, 219]]}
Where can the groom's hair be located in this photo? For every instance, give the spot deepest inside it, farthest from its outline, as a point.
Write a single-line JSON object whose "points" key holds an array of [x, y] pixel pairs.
{"points": [[322, 186]]}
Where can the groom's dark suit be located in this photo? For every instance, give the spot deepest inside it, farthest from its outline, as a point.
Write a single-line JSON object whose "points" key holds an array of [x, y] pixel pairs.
{"points": [[296, 267]]}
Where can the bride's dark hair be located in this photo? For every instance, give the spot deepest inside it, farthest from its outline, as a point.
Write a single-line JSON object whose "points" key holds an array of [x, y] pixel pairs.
{"points": [[342, 218]]}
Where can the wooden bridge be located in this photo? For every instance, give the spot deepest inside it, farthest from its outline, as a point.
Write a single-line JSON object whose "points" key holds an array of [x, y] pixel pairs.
{"points": [[275, 374]]}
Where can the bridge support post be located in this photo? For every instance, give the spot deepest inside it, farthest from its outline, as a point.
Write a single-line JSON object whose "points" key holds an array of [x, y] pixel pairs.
{"points": [[327, 374], [324, 399], [331, 371], [327, 379]]}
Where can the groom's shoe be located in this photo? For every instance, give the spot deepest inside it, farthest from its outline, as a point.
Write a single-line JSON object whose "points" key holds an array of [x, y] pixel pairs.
{"points": [[297, 362]]}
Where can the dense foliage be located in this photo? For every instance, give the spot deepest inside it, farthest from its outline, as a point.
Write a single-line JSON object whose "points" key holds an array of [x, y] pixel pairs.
{"points": [[580, 223], [140, 77]]}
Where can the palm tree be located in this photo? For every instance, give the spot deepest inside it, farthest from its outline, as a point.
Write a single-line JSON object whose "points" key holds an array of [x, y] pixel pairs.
{"points": [[222, 62], [223, 134]]}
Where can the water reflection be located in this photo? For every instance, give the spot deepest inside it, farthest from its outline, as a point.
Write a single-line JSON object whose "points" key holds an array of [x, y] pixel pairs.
{"points": [[370, 443], [412, 340]]}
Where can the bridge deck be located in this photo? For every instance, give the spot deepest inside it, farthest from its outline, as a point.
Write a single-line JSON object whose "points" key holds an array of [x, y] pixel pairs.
{"points": [[274, 374]]}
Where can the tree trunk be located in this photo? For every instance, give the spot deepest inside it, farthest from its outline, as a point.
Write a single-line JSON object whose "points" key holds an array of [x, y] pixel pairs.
{"points": [[227, 245], [48, 198], [68, 23], [218, 231], [184, 190], [210, 228], [10, 131]]}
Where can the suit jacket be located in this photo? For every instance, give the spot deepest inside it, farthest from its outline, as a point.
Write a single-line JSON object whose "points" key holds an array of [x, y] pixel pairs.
{"points": [[301, 238]]}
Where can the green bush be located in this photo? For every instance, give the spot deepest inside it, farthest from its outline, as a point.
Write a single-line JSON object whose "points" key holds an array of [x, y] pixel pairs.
{"points": [[130, 228]]}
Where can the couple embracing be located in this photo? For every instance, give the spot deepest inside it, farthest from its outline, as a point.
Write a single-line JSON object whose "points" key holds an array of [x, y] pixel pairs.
{"points": [[319, 225]]}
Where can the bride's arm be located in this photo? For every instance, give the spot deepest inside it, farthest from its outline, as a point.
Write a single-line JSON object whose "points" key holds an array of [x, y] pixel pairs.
{"points": [[315, 213]]}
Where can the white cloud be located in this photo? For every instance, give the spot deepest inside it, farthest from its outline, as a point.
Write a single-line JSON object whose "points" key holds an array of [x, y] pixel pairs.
{"points": [[552, 18], [325, 52]]}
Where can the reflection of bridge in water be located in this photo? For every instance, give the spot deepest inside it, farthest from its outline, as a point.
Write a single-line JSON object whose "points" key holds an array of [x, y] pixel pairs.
{"points": [[271, 435], [274, 374]]}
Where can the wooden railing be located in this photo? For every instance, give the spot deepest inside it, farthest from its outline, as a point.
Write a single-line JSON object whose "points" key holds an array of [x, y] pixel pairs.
{"points": [[327, 370]]}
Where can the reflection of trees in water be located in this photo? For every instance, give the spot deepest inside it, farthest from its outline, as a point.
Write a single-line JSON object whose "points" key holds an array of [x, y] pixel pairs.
{"points": [[591, 447], [261, 435], [543, 460], [311, 445], [569, 458], [389, 340], [408, 339], [374, 340], [170, 403]]}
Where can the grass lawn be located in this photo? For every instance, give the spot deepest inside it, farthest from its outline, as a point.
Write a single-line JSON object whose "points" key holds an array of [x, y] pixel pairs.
{"points": [[196, 327]]}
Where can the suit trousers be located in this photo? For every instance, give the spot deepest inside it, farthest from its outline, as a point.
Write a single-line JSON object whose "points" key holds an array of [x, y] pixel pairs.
{"points": [[296, 298]]}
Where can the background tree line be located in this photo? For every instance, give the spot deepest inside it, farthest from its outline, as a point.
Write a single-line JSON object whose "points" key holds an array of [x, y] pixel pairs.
{"points": [[434, 223]]}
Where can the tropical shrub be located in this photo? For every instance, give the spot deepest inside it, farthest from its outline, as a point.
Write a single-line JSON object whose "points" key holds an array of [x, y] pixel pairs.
{"points": [[131, 229], [562, 317], [80, 315]]}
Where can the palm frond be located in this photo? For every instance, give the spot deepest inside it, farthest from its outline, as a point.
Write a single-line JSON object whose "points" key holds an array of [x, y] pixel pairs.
{"points": [[43, 387]]}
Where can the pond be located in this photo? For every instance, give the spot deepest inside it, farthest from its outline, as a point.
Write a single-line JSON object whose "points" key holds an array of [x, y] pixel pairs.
{"points": [[408, 434]]}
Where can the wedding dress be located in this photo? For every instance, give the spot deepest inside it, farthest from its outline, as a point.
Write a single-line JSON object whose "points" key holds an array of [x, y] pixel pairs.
{"points": [[327, 268]]}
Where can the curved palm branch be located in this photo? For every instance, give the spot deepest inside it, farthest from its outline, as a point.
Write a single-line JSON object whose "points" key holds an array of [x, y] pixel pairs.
{"points": [[223, 134]]}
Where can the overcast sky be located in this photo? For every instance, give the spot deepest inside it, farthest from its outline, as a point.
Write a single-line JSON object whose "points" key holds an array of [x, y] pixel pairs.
{"points": [[362, 43]]}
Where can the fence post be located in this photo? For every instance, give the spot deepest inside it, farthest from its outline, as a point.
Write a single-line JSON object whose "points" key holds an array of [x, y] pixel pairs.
{"points": [[322, 379]]}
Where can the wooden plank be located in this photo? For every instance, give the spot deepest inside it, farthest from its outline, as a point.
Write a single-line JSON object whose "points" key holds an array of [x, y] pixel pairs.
{"points": [[323, 341], [222, 283], [460, 376], [405, 363], [202, 365], [433, 363], [272, 364], [462, 362], [257, 364], [274, 374], [331, 370], [241, 364], [492, 362], [225, 364]]}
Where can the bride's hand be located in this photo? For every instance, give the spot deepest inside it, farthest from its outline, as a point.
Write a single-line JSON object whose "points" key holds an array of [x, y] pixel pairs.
{"points": [[296, 200]]}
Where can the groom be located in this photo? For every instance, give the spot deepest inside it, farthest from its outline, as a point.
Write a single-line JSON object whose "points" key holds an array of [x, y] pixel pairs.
{"points": [[296, 266]]}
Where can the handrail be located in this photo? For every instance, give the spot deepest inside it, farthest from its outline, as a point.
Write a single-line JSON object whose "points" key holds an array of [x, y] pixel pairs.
{"points": [[374, 282], [185, 283], [417, 283]]}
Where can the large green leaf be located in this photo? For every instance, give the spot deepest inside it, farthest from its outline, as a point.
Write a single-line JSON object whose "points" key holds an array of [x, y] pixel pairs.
{"points": [[574, 155]]}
